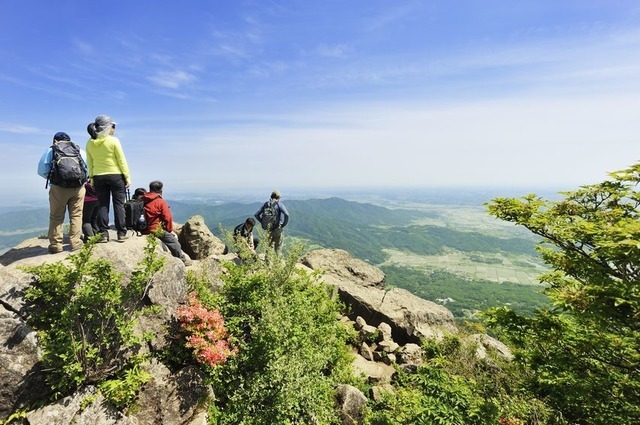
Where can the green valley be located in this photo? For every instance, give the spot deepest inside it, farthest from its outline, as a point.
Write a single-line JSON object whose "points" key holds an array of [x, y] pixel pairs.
{"points": [[453, 254]]}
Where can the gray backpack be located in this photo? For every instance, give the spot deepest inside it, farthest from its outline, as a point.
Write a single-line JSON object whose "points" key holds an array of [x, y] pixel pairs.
{"points": [[269, 216], [67, 167]]}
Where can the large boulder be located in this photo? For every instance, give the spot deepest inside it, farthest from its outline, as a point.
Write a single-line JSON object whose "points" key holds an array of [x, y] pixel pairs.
{"points": [[171, 398], [20, 373], [12, 286], [372, 371], [338, 265], [351, 404], [360, 286], [197, 241], [486, 344], [85, 407]]}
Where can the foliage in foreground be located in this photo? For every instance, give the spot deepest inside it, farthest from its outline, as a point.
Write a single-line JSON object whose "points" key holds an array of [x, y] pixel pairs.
{"points": [[84, 317], [453, 387], [583, 355], [291, 348]]}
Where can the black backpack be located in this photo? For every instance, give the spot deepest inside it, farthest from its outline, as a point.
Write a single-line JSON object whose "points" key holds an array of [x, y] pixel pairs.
{"points": [[68, 169], [134, 215], [269, 217]]}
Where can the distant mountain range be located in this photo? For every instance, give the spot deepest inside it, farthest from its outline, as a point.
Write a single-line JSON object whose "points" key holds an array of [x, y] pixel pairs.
{"points": [[367, 231], [360, 228]]}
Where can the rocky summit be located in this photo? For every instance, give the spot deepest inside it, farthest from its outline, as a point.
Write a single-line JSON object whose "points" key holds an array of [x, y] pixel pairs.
{"points": [[390, 325]]}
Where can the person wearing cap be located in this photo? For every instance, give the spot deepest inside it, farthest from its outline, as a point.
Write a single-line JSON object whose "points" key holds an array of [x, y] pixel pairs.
{"points": [[274, 233], [62, 199], [109, 175]]}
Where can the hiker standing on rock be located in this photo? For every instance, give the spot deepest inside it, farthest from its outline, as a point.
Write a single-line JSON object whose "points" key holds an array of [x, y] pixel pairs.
{"points": [[273, 216], [64, 166], [109, 174]]}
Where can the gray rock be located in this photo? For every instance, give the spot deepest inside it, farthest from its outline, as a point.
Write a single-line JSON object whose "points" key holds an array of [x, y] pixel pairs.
{"points": [[387, 346], [20, 374], [385, 331], [485, 343], [168, 287], [373, 372], [368, 333], [73, 410], [360, 323], [411, 318], [380, 392], [170, 398], [197, 240], [366, 351], [410, 354], [340, 265], [12, 286], [351, 403]]}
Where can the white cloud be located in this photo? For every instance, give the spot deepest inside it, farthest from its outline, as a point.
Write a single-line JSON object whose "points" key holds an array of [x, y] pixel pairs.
{"points": [[18, 128], [172, 79], [83, 47], [332, 51]]}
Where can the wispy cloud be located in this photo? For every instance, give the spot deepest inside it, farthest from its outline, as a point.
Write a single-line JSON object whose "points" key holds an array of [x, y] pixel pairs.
{"points": [[18, 128], [332, 51], [391, 15], [83, 47], [172, 79]]}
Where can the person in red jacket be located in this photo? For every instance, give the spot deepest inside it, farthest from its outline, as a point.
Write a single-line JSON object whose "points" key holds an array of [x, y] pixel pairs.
{"points": [[158, 215]]}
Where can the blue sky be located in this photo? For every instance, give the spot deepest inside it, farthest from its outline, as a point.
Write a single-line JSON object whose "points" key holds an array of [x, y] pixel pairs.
{"points": [[233, 96]]}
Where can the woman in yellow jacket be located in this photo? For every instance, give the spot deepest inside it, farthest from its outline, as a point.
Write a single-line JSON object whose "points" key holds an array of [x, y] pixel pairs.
{"points": [[109, 174]]}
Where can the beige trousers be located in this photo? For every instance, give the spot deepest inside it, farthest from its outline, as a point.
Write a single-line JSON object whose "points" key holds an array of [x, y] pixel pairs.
{"points": [[61, 199]]}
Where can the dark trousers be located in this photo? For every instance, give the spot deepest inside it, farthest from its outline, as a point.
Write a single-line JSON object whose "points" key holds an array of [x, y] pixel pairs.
{"points": [[110, 186], [90, 219], [172, 243]]}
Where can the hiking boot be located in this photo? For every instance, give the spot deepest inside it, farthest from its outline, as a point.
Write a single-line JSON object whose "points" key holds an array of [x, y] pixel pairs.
{"points": [[104, 238], [54, 249], [75, 248], [122, 238]]}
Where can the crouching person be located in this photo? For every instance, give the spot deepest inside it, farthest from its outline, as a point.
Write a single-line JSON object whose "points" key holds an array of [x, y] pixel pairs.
{"points": [[158, 215]]}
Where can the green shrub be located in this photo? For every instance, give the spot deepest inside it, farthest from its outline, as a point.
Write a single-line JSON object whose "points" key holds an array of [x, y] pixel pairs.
{"points": [[85, 315], [291, 347], [582, 354], [453, 387], [122, 390]]}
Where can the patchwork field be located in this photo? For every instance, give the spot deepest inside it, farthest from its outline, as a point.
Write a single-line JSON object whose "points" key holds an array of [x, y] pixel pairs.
{"points": [[498, 267]]}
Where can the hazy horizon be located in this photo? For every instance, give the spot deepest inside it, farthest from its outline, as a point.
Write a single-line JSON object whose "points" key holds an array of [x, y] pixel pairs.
{"points": [[452, 194], [287, 94]]}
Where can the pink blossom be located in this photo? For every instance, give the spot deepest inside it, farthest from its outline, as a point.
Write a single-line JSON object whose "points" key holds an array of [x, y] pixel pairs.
{"points": [[205, 332]]}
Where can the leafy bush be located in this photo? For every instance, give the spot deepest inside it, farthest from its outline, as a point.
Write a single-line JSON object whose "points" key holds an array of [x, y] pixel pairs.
{"points": [[453, 387], [291, 347], [84, 316], [583, 354], [122, 390]]}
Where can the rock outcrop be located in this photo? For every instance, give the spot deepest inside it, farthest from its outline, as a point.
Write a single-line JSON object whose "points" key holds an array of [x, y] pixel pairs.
{"points": [[390, 325], [19, 356], [197, 241], [360, 285]]}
